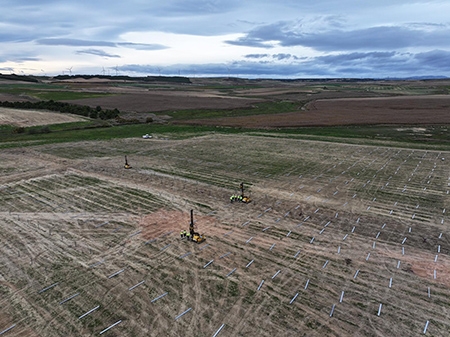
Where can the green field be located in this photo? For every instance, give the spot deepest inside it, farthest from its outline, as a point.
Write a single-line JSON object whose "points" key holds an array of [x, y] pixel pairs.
{"points": [[438, 137]]}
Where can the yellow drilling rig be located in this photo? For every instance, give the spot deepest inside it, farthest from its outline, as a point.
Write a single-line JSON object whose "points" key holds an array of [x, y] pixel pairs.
{"points": [[242, 197], [127, 166], [193, 235]]}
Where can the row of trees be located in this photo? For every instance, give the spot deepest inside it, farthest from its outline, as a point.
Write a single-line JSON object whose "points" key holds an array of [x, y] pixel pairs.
{"points": [[81, 110], [170, 79], [14, 77]]}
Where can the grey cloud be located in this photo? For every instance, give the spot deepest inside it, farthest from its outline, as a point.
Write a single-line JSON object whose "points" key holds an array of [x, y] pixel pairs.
{"points": [[386, 64], [89, 43], [142, 46], [195, 7], [379, 61], [9, 69], [250, 42], [256, 56], [27, 58], [355, 57], [14, 37], [106, 20], [17, 56], [74, 42], [281, 56], [97, 52], [437, 59], [374, 38], [351, 65]]}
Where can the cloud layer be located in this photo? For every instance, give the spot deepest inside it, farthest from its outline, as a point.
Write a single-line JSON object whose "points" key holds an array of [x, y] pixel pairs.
{"points": [[286, 39]]}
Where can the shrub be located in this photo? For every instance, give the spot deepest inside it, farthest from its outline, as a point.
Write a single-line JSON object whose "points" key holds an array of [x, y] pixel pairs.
{"points": [[19, 129]]}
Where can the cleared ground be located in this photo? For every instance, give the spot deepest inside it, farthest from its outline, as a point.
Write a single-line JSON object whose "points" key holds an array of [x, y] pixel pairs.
{"points": [[339, 240]]}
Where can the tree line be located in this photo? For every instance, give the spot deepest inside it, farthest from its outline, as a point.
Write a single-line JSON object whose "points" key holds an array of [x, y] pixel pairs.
{"points": [[63, 107]]}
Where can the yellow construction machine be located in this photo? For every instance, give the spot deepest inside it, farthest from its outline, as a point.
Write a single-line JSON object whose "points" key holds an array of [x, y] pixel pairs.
{"points": [[242, 197], [195, 236], [127, 166]]}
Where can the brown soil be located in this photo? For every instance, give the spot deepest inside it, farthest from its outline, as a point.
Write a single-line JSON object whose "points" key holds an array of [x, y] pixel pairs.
{"points": [[163, 101], [13, 98], [164, 221], [392, 110]]}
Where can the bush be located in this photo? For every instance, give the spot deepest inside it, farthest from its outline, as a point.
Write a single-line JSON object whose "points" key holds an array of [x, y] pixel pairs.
{"points": [[62, 107], [19, 129], [93, 114], [35, 131]]}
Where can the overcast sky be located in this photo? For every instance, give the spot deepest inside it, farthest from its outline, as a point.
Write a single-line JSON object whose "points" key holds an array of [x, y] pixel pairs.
{"points": [[245, 38]]}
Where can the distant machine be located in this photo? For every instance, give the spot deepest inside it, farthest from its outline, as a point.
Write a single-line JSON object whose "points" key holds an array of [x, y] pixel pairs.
{"points": [[127, 166], [146, 136], [241, 197]]}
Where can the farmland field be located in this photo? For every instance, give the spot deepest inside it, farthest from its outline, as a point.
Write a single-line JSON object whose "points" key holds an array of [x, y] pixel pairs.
{"points": [[30, 118], [339, 239], [416, 110]]}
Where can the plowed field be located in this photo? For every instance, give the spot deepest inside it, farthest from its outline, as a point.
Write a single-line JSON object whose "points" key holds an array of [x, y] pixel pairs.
{"points": [[408, 110]]}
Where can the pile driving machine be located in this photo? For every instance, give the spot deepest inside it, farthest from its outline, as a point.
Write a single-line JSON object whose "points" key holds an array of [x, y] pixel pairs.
{"points": [[242, 197], [127, 166], [194, 236]]}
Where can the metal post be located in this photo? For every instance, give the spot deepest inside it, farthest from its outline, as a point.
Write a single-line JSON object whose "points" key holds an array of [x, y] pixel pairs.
{"points": [[183, 313], [206, 265], [90, 311], [111, 326], [136, 285], [220, 329], [159, 297], [293, 298], [260, 285]]}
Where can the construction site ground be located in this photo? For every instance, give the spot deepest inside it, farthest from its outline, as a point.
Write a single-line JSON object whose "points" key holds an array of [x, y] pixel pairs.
{"points": [[339, 240]]}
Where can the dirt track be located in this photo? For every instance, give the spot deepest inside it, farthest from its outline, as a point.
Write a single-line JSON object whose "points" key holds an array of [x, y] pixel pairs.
{"points": [[327, 221]]}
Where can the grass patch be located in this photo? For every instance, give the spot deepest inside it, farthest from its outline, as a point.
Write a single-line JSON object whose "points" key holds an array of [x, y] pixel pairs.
{"points": [[65, 95], [390, 133], [438, 136], [47, 92], [92, 132], [263, 108], [17, 88], [233, 289]]}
